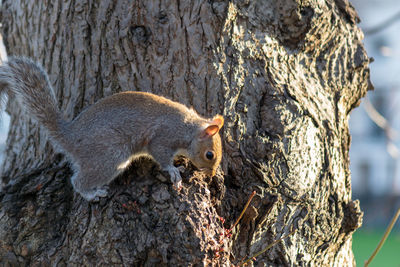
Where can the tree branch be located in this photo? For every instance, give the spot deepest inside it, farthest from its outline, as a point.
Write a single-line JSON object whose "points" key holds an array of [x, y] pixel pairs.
{"points": [[383, 25]]}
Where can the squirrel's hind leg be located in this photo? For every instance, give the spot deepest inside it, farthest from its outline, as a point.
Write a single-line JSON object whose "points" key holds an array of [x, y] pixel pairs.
{"points": [[84, 183], [90, 194], [90, 178]]}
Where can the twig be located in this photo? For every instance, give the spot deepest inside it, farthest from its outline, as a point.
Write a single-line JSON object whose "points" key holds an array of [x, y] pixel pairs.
{"points": [[387, 232], [243, 211], [227, 233], [383, 25], [268, 247], [380, 121]]}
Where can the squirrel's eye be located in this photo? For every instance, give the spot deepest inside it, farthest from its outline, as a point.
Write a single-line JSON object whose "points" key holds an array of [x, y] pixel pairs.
{"points": [[209, 155]]}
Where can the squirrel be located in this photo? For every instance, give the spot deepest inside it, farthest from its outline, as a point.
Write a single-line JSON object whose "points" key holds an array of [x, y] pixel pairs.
{"points": [[105, 137]]}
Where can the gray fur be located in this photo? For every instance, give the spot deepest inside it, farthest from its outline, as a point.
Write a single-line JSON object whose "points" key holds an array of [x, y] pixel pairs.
{"points": [[30, 83], [105, 137]]}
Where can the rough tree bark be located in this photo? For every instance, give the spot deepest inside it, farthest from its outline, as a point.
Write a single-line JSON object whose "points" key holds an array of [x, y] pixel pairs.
{"points": [[285, 75]]}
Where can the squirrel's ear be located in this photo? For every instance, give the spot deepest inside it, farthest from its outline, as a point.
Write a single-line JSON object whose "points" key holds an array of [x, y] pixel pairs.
{"points": [[210, 131], [213, 127], [218, 120]]}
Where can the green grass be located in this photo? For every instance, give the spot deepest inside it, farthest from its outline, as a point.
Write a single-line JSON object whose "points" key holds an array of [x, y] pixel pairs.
{"points": [[365, 242]]}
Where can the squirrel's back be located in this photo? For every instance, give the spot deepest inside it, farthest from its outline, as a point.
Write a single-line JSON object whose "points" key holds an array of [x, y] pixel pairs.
{"points": [[136, 116], [146, 105]]}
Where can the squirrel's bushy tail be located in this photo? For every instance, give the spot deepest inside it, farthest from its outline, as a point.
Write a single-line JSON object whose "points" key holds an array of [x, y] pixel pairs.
{"points": [[25, 79]]}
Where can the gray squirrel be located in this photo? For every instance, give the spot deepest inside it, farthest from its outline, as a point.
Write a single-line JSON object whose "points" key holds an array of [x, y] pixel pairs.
{"points": [[104, 138]]}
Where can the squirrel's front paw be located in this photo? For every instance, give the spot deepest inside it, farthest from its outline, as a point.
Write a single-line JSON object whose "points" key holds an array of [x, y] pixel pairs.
{"points": [[176, 178]]}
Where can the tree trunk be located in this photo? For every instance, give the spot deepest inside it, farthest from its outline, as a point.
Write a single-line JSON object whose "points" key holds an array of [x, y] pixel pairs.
{"points": [[285, 75]]}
